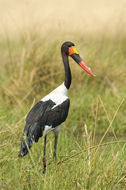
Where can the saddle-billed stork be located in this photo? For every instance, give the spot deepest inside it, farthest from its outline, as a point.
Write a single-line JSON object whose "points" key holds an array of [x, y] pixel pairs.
{"points": [[52, 110]]}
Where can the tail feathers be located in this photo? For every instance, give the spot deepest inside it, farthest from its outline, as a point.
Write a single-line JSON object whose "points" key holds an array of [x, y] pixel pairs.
{"points": [[25, 146], [31, 134]]}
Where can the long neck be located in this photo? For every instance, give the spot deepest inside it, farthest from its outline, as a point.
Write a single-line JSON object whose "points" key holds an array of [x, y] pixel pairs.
{"points": [[67, 80]]}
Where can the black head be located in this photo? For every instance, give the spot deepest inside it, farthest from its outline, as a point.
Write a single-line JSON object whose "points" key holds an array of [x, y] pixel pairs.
{"points": [[68, 49], [65, 47]]}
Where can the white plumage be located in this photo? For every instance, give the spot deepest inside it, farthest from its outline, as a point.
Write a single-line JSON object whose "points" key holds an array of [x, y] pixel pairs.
{"points": [[58, 96]]}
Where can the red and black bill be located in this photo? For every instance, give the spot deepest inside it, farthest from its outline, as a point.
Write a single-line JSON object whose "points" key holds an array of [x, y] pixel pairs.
{"points": [[76, 57]]}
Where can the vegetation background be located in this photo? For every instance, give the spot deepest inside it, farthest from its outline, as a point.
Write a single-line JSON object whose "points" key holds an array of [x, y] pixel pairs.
{"points": [[92, 142]]}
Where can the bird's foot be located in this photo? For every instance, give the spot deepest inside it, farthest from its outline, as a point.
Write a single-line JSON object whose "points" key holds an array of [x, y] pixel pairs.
{"points": [[54, 160], [44, 165], [44, 170]]}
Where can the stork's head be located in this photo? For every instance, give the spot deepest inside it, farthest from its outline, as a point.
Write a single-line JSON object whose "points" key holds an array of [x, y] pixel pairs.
{"points": [[69, 49]]}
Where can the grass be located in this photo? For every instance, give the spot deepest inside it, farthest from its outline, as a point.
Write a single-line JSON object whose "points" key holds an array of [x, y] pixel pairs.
{"points": [[91, 157]]}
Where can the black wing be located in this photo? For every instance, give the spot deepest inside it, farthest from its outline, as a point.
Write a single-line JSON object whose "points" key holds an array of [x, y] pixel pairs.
{"points": [[40, 115], [57, 115], [38, 110]]}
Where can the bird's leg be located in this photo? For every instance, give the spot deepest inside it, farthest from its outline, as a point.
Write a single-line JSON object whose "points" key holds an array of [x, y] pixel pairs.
{"points": [[55, 147], [44, 155]]}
